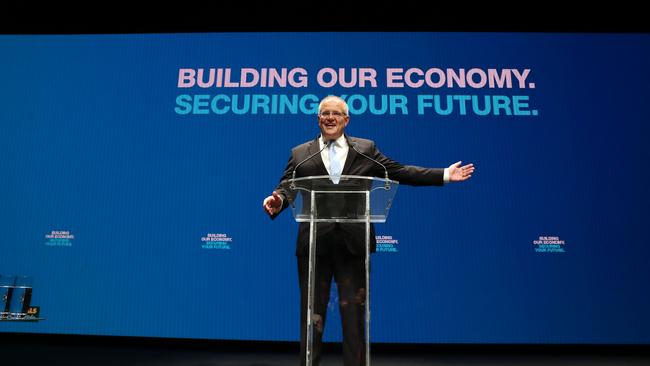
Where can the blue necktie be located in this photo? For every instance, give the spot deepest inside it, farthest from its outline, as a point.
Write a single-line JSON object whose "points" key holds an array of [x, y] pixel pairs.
{"points": [[335, 164]]}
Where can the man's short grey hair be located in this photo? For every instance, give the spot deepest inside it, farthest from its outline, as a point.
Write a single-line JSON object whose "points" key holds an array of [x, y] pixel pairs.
{"points": [[333, 98]]}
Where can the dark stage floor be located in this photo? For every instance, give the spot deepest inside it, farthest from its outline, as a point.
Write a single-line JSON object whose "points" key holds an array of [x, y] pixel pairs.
{"points": [[103, 351]]}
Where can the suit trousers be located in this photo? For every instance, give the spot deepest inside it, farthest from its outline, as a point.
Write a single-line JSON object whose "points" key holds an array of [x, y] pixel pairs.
{"points": [[349, 272]]}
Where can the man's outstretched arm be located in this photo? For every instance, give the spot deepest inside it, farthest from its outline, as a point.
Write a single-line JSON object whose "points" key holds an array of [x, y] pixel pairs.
{"points": [[275, 203]]}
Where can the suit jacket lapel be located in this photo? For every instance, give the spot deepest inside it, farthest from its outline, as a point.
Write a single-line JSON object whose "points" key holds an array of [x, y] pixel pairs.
{"points": [[317, 160], [352, 154]]}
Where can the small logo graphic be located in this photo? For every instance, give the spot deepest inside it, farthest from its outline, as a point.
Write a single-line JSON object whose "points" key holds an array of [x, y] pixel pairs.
{"points": [[386, 243], [216, 241], [34, 311], [59, 238], [549, 244]]}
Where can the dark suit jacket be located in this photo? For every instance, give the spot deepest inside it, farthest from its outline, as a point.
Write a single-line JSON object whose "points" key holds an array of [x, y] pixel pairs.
{"points": [[353, 235]]}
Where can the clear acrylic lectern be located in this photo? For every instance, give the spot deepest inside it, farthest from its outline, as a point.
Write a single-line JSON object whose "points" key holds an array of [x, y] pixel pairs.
{"points": [[353, 199]]}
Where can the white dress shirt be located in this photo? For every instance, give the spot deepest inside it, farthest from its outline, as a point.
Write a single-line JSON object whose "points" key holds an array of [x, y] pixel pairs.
{"points": [[340, 146]]}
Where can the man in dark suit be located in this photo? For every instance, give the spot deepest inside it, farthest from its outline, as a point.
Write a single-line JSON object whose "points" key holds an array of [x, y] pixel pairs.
{"points": [[340, 252]]}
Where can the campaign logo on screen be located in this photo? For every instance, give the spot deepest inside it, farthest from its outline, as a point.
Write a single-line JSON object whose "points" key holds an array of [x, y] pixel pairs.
{"points": [[549, 244], [386, 243], [216, 241], [59, 238]]}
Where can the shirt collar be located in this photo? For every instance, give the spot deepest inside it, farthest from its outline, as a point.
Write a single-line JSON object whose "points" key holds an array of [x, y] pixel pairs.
{"points": [[341, 141]]}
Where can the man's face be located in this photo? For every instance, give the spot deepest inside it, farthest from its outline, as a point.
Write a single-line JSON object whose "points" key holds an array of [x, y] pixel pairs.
{"points": [[331, 120]]}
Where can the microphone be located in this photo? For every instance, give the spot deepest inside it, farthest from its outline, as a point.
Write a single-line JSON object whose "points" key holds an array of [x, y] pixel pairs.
{"points": [[293, 176], [387, 182]]}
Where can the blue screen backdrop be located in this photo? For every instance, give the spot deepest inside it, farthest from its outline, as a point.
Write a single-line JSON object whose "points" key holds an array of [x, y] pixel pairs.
{"points": [[135, 204]]}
